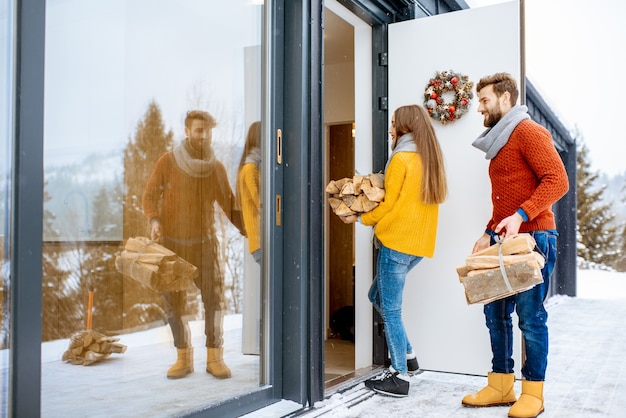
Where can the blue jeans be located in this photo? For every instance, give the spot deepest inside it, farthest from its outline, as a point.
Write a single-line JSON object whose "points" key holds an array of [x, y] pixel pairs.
{"points": [[532, 319], [386, 296]]}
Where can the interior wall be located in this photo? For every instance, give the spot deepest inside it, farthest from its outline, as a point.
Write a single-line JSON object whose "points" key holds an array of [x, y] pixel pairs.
{"points": [[448, 335], [338, 93]]}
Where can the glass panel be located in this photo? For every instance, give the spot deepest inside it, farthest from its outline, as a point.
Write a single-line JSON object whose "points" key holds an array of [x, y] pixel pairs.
{"points": [[151, 291], [6, 110]]}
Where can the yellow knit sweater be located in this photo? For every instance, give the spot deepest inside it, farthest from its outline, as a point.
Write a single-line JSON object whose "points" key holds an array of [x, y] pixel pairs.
{"points": [[402, 222], [248, 189]]}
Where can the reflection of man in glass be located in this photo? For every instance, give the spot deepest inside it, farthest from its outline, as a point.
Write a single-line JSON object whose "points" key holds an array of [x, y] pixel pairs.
{"points": [[248, 189], [179, 200]]}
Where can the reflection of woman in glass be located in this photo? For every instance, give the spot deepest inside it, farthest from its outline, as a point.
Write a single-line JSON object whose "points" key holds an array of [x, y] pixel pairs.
{"points": [[248, 192]]}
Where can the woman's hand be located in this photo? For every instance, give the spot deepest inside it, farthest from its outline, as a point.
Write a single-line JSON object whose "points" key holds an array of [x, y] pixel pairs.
{"points": [[350, 219]]}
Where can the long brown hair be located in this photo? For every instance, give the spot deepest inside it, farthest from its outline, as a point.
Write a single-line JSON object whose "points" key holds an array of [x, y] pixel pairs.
{"points": [[414, 119], [253, 140]]}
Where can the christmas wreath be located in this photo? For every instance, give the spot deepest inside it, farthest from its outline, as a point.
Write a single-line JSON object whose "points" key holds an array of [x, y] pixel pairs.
{"points": [[448, 81]]}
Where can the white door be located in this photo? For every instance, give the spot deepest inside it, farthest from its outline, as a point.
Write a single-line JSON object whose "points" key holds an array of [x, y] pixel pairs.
{"points": [[448, 335]]}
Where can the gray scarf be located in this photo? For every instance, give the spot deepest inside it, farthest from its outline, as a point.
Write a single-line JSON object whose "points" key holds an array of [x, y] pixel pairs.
{"points": [[493, 139], [192, 165], [254, 157], [403, 144]]}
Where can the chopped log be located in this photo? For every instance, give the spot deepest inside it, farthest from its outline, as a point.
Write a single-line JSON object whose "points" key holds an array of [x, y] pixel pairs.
{"points": [[482, 276], [517, 244], [332, 188], [144, 245], [377, 180], [341, 182], [493, 261], [349, 200], [357, 180], [88, 346], [368, 205], [357, 204], [356, 194], [347, 189], [334, 202], [487, 285], [155, 266], [375, 194], [344, 210]]}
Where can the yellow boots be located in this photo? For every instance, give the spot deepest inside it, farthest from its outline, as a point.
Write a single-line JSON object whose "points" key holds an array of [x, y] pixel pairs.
{"points": [[215, 363], [183, 365], [499, 391], [530, 403]]}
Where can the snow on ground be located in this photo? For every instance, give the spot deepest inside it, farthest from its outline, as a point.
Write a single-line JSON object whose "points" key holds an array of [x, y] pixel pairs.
{"points": [[586, 374]]}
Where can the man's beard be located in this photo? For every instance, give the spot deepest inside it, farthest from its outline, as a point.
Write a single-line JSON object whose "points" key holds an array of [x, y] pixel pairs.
{"points": [[493, 117]]}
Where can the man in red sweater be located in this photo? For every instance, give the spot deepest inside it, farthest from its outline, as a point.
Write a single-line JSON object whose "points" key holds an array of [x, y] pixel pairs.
{"points": [[179, 200], [527, 178]]}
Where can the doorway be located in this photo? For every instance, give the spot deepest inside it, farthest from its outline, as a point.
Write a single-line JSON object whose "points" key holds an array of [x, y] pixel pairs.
{"points": [[348, 144]]}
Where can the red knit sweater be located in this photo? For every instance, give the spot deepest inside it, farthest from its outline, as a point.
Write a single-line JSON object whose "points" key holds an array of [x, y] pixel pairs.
{"points": [[185, 204], [527, 173]]}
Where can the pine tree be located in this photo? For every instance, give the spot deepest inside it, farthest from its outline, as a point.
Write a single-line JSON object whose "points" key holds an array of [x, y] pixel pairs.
{"points": [[620, 263], [151, 141], [139, 304], [106, 211], [61, 304], [596, 235]]}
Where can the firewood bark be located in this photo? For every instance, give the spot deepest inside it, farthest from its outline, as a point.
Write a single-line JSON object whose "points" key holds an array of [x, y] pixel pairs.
{"points": [[482, 276], [357, 194]]}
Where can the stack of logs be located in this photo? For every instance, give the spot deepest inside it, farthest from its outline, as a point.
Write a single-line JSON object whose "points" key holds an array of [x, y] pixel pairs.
{"points": [[88, 346], [482, 276], [155, 266], [358, 194]]}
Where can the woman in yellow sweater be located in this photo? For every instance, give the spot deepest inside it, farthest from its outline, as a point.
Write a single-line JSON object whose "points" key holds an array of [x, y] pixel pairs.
{"points": [[248, 189], [405, 227]]}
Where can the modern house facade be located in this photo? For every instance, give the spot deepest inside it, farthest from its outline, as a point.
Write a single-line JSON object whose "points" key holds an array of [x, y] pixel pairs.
{"points": [[95, 92]]}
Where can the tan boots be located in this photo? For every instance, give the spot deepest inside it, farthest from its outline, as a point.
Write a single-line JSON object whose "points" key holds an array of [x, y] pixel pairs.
{"points": [[530, 402], [183, 365], [499, 391], [215, 363]]}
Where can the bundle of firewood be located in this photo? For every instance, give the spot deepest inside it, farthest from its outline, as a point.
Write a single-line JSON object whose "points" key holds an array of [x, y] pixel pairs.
{"points": [[155, 266], [482, 275], [88, 346], [358, 194]]}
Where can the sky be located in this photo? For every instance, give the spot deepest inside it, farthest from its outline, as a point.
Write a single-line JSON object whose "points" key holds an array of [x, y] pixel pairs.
{"points": [[575, 51], [106, 61], [575, 56]]}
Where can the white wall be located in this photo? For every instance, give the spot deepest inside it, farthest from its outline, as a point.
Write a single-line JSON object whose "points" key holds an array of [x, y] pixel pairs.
{"points": [[447, 334]]}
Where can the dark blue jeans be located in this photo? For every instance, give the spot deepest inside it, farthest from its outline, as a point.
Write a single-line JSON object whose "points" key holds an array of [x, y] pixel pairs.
{"points": [[386, 296], [210, 281], [532, 319]]}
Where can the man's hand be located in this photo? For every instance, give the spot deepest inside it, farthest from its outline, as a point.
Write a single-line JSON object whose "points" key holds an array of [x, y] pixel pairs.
{"points": [[509, 225], [483, 242], [155, 233]]}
